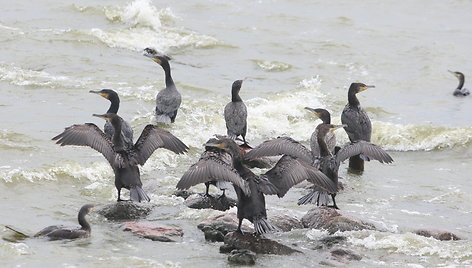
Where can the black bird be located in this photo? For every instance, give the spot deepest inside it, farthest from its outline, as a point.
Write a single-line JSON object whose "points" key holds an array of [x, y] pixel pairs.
{"points": [[124, 161], [126, 130], [358, 124], [326, 162], [325, 116], [460, 91], [167, 100], [58, 232], [250, 188], [236, 114]]}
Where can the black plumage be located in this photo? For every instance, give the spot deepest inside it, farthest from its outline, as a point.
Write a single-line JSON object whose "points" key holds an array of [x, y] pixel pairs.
{"points": [[236, 114], [126, 130], [250, 188], [58, 232], [330, 139], [123, 160], [460, 91], [358, 125], [168, 100]]}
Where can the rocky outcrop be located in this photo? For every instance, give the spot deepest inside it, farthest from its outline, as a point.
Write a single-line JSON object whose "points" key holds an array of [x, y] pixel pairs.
{"points": [[437, 234], [257, 244], [242, 257], [215, 228], [126, 210], [285, 223], [332, 220], [154, 231], [344, 255], [202, 201]]}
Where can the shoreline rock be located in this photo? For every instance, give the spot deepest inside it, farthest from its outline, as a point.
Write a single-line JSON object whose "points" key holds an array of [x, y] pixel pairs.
{"points": [[201, 201], [154, 231], [332, 220], [126, 210], [257, 244]]}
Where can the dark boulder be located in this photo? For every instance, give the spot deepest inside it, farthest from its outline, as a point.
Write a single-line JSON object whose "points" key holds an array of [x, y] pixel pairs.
{"points": [[344, 255], [154, 231], [242, 257], [126, 210], [437, 234], [201, 201], [285, 223], [216, 227], [332, 220], [257, 244]]}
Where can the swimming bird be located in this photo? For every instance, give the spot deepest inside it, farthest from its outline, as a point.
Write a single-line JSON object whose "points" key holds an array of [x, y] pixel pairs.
{"points": [[328, 163], [126, 130], [358, 124], [58, 232], [236, 114], [460, 91], [124, 161], [167, 100], [325, 117], [250, 188]]}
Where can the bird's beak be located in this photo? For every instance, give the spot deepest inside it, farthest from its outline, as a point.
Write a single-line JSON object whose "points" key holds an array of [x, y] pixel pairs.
{"points": [[216, 145], [366, 87], [157, 60], [312, 110], [103, 116], [105, 95], [337, 127]]}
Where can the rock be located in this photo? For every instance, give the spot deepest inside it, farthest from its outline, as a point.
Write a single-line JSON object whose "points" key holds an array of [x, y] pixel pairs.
{"points": [[285, 223], [257, 244], [201, 201], [216, 227], [331, 220], [154, 231], [126, 210], [330, 241], [437, 234], [345, 255], [242, 257]]}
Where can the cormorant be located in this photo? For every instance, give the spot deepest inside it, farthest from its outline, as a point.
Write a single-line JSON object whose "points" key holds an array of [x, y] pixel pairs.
{"points": [[167, 100], [459, 91], [124, 161], [250, 188], [58, 232], [326, 162], [358, 123], [325, 116], [126, 130], [236, 114]]}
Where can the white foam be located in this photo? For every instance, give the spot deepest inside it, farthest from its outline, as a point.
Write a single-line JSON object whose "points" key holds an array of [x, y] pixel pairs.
{"points": [[24, 77]]}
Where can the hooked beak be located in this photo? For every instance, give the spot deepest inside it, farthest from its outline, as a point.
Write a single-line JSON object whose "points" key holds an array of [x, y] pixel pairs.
{"points": [[216, 145], [366, 87], [103, 116], [332, 129]]}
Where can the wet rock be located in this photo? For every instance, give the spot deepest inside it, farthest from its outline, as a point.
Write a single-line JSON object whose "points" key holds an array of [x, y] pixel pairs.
{"points": [[330, 241], [201, 201], [286, 223], [126, 210], [242, 257], [257, 244], [332, 220], [154, 231], [437, 234], [345, 255], [216, 227]]}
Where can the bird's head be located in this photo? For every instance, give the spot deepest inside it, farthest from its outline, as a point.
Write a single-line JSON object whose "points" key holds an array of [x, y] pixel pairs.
{"points": [[359, 87], [322, 114], [157, 57], [111, 117], [225, 144], [106, 93], [457, 74]]}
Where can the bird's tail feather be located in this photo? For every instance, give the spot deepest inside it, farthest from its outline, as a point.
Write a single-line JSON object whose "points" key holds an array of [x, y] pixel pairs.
{"points": [[262, 226], [136, 193], [319, 197], [16, 231]]}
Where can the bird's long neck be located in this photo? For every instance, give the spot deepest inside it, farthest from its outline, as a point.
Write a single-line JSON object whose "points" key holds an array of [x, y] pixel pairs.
{"points": [[83, 222], [352, 98], [235, 94], [461, 82], [322, 144], [169, 80], [114, 105], [117, 139]]}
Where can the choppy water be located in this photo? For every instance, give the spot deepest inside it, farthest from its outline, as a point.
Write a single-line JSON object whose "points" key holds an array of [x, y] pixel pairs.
{"points": [[294, 54]]}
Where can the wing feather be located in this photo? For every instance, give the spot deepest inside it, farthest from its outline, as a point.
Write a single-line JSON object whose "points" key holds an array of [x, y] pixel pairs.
{"points": [[280, 146], [368, 149]]}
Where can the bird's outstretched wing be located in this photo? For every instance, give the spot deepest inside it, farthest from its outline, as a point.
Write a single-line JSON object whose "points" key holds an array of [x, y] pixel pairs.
{"points": [[211, 168], [365, 148], [280, 146], [290, 171], [153, 138], [90, 135]]}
